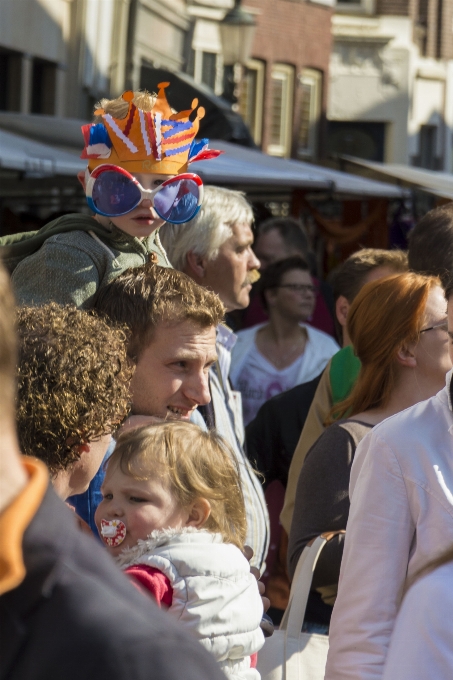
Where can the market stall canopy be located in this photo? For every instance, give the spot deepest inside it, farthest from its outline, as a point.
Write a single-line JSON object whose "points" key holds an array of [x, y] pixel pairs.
{"points": [[63, 133], [36, 159], [51, 145], [432, 181], [240, 165]]}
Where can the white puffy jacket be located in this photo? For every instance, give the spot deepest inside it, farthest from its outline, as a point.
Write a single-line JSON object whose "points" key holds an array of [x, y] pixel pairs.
{"points": [[214, 594]]}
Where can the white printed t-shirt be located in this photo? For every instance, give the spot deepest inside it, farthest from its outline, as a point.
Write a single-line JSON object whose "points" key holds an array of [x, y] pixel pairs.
{"points": [[260, 380], [251, 373]]}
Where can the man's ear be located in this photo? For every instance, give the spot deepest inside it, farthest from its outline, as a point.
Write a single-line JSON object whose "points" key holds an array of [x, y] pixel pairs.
{"points": [[81, 178], [199, 513], [196, 265], [406, 356], [342, 306]]}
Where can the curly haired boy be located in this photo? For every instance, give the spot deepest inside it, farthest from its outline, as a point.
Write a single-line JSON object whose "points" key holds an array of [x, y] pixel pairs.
{"points": [[73, 391]]}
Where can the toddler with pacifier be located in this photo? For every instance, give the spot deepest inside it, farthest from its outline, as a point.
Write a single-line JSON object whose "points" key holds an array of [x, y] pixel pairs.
{"points": [[173, 516]]}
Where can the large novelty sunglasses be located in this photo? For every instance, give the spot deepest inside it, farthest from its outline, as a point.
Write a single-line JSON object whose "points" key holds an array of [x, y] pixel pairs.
{"points": [[112, 191]]}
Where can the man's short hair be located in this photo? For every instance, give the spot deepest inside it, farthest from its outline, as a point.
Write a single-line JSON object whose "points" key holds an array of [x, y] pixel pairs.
{"points": [[145, 296], [431, 244], [8, 349], [210, 228], [73, 381], [292, 232], [350, 276]]}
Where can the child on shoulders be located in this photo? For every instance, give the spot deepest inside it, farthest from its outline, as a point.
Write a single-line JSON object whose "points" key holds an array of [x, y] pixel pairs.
{"points": [[173, 516], [138, 150]]}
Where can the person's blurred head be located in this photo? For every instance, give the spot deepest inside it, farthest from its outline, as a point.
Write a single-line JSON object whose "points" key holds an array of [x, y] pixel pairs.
{"points": [[73, 391], [215, 248], [287, 289], [185, 477], [396, 325], [278, 238], [367, 264], [431, 244], [172, 323]]}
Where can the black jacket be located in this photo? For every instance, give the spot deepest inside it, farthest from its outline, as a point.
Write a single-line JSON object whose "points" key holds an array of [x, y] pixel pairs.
{"points": [[271, 438], [76, 616]]}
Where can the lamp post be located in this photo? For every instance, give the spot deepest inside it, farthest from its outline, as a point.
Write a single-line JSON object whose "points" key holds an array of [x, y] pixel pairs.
{"points": [[237, 30]]}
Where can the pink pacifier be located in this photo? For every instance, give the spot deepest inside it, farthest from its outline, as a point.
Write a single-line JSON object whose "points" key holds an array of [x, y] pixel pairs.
{"points": [[113, 532]]}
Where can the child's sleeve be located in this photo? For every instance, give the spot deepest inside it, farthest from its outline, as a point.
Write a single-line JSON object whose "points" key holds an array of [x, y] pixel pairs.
{"points": [[60, 271], [154, 581]]}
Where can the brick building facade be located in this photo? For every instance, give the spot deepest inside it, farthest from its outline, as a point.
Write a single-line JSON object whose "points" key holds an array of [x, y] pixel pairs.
{"points": [[292, 43], [283, 93]]}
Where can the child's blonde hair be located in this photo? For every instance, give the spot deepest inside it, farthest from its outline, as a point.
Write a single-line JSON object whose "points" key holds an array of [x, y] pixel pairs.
{"points": [[197, 464], [119, 107]]}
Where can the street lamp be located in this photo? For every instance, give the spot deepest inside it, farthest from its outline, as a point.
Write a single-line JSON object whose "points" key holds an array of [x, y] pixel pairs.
{"points": [[237, 30]]}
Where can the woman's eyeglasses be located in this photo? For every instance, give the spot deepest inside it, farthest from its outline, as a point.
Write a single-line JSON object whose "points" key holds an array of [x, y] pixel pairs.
{"points": [[439, 326], [300, 287]]}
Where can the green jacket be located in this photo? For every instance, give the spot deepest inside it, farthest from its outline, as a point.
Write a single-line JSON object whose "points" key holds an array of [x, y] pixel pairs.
{"points": [[71, 258]]}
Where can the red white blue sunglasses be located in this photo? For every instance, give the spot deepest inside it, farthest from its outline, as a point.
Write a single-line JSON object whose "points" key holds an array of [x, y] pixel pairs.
{"points": [[112, 191]]}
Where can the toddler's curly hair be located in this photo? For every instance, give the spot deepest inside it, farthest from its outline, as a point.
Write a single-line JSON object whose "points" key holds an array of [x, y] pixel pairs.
{"points": [[73, 381]]}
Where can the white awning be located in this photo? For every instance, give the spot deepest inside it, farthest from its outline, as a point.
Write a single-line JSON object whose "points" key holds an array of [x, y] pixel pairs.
{"points": [[241, 165], [47, 145], [432, 181], [40, 160]]}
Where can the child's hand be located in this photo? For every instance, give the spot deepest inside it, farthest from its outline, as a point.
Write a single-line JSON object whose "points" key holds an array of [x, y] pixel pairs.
{"points": [[248, 552], [266, 624]]}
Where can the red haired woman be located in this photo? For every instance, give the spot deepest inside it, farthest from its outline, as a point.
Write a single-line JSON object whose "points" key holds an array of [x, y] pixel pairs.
{"points": [[402, 364]]}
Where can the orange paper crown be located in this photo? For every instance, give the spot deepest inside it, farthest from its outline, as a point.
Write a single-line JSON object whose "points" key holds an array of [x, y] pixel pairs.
{"points": [[156, 141]]}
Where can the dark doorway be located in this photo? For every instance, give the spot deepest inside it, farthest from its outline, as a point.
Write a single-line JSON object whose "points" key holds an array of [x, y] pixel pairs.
{"points": [[363, 140]]}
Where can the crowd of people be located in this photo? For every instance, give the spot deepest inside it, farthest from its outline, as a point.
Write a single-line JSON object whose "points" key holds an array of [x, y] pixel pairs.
{"points": [[139, 432]]}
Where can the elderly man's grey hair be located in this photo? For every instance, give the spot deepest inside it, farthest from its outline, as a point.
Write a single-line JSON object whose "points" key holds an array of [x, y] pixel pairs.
{"points": [[209, 229]]}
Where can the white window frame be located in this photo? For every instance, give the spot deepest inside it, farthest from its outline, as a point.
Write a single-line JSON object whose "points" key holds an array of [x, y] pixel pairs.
{"points": [[256, 127], [314, 79], [285, 73]]}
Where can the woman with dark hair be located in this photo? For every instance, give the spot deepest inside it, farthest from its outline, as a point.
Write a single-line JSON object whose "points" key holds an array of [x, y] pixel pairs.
{"points": [[274, 357], [401, 364]]}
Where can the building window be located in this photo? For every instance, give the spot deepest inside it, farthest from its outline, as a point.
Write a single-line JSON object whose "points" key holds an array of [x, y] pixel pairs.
{"points": [[43, 87], [10, 80], [354, 6], [428, 144], [251, 98], [190, 68], [209, 69], [311, 85], [204, 68], [281, 110]]}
